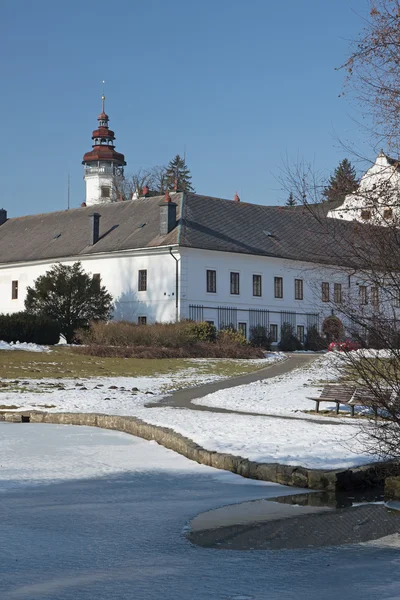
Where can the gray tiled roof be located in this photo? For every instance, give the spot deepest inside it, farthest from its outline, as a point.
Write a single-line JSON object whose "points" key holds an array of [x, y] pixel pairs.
{"points": [[66, 233], [215, 224], [208, 223]]}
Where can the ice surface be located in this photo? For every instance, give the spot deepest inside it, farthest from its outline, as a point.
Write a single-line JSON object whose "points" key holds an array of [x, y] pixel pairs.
{"points": [[88, 514]]}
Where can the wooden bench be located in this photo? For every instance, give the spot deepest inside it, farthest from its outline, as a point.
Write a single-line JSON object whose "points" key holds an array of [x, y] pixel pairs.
{"points": [[346, 394], [363, 397], [339, 394]]}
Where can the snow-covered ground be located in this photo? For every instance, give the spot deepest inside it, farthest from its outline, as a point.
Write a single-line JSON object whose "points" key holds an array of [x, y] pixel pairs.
{"points": [[89, 514], [283, 395], [23, 346], [310, 441]]}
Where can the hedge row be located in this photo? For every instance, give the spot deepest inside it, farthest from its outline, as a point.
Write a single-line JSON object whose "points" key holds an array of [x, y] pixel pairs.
{"points": [[24, 327]]}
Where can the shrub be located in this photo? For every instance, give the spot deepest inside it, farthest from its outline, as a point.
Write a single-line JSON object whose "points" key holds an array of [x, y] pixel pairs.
{"points": [[24, 327], [203, 331], [289, 342], [169, 340], [260, 337], [231, 336], [314, 340], [125, 333], [196, 350]]}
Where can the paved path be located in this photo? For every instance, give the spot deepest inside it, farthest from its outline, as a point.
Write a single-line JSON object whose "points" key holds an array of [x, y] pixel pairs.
{"points": [[183, 398]]}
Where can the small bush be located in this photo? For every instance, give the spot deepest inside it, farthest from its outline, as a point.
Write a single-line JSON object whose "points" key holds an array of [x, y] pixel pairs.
{"points": [[289, 342], [196, 350], [125, 333], [314, 340], [231, 336], [260, 337], [204, 332], [170, 340], [24, 327]]}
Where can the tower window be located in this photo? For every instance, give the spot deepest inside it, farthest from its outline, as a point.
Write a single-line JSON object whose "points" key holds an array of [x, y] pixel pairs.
{"points": [[105, 191]]}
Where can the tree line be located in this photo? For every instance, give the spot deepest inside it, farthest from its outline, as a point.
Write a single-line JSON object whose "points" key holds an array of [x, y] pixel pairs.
{"points": [[155, 180]]}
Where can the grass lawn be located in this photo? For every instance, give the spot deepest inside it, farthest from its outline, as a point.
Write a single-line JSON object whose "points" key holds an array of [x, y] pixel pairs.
{"points": [[63, 363]]}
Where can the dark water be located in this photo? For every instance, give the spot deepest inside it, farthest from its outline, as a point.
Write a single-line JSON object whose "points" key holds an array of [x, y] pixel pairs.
{"points": [[297, 521]]}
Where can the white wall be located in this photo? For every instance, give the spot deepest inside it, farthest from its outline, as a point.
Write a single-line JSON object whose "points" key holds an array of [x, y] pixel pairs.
{"points": [[119, 274], [194, 291], [93, 189], [379, 189]]}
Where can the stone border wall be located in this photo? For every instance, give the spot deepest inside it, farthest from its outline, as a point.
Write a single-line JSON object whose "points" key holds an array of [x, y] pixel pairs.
{"points": [[317, 479]]}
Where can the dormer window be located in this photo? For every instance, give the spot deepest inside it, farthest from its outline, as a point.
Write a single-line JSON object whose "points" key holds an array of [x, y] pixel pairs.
{"points": [[366, 215], [388, 213]]}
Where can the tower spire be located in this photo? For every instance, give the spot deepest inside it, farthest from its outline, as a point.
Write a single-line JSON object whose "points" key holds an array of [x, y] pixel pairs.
{"points": [[103, 98], [103, 164]]}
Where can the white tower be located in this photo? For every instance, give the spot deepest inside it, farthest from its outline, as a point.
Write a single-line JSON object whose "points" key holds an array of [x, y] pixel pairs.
{"points": [[102, 165]]}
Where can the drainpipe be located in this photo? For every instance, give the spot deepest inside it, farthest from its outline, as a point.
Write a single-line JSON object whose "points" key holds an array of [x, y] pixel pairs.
{"points": [[176, 285]]}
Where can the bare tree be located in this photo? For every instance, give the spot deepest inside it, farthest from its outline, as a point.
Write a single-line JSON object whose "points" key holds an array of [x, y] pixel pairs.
{"points": [[153, 178], [362, 235], [373, 71]]}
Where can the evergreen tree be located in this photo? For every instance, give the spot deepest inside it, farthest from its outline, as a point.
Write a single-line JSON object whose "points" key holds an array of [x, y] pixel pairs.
{"points": [[343, 181], [178, 176], [291, 200], [69, 296]]}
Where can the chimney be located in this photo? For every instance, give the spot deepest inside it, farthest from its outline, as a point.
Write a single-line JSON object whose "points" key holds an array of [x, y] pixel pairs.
{"points": [[167, 215], [3, 216], [94, 232], [236, 197], [145, 191]]}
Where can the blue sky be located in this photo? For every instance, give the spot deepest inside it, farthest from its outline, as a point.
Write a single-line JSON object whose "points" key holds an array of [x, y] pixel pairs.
{"points": [[238, 84]]}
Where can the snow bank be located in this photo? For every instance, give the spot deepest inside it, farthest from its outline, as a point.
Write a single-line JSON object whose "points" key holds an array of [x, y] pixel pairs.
{"points": [[23, 346]]}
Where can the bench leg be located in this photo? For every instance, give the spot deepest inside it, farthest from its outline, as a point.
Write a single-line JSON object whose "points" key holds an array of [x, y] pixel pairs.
{"points": [[316, 406], [352, 410], [337, 408]]}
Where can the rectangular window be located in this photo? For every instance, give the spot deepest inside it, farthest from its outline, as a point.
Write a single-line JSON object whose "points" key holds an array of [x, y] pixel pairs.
{"points": [[142, 280], [388, 213], [273, 333], [375, 297], [14, 290], [278, 287], [325, 291], [298, 289], [300, 333], [211, 281], [242, 328], [235, 283], [366, 215], [96, 280], [142, 321], [105, 191], [256, 285], [337, 293], [362, 293]]}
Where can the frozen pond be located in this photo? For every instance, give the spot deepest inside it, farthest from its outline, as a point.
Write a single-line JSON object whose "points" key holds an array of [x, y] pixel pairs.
{"points": [[88, 514]]}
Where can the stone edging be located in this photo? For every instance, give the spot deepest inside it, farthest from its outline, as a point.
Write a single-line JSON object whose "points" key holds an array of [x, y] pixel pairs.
{"points": [[317, 479]]}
